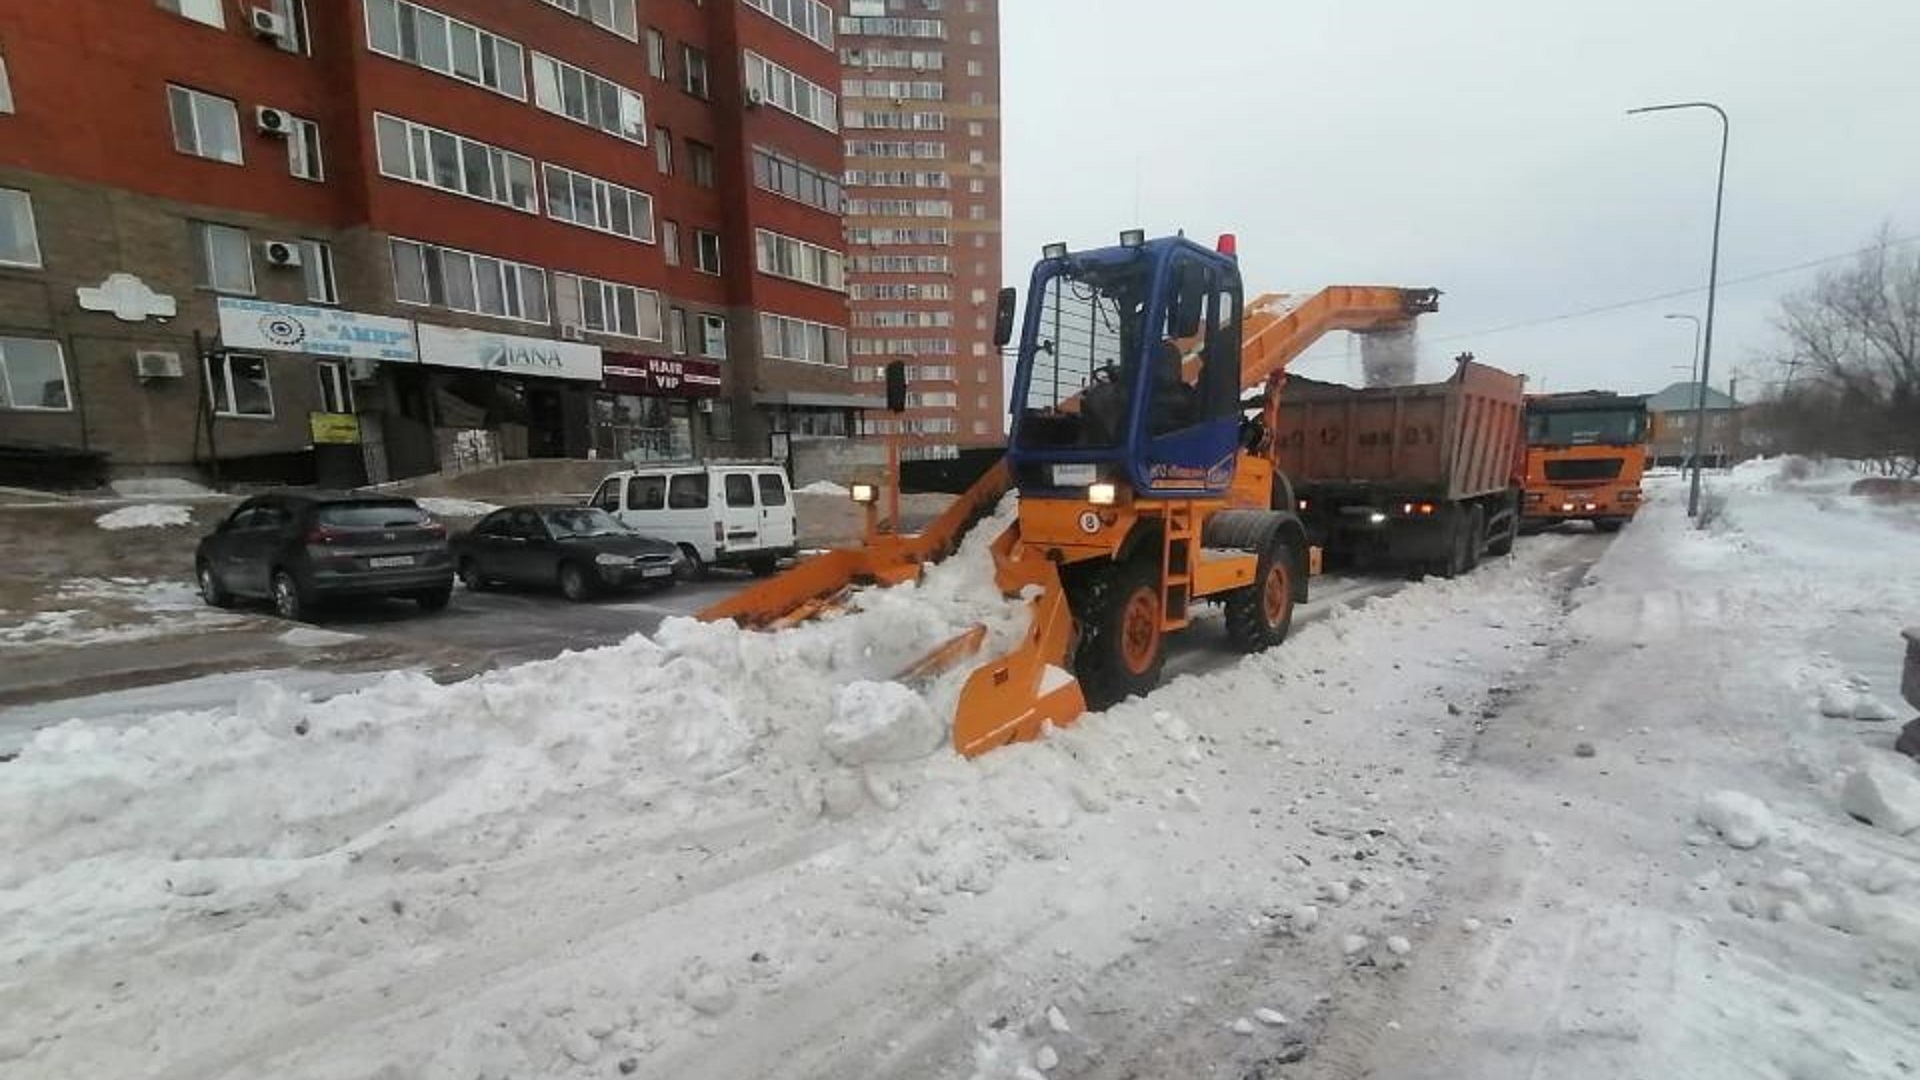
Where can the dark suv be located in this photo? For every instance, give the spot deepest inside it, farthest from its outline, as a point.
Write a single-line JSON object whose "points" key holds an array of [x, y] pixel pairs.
{"points": [[304, 548]]}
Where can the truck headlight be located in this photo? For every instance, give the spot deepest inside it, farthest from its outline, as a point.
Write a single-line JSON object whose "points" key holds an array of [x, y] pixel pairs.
{"points": [[864, 493], [1103, 494]]}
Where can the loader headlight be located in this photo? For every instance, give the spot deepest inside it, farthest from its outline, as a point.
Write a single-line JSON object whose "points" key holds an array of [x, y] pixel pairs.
{"points": [[1377, 518], [864, 493], [1074, 475], [1103, 494]]}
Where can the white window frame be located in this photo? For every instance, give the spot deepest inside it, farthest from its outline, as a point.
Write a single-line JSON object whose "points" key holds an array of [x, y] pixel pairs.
{"points": [[778, 332], [808, 18], [656, 53], [782, 88], [772, 170], [702, 87], [299, 39], [585, 9], [203, 233], [305, 160], [6, 88], [419, 166], [209, 12], [316, 265], [25, 199], [700, 237], [336, 386], [677, 331], [223, 364], [574, 309], [193, 99], [670, 241], [713, 328], [549, 95], [406, 9], [809, 264], [439, 252], [604, 192], [11, 402]]}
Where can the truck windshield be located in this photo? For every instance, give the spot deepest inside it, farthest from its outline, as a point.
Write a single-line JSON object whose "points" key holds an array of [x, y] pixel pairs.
{"points": [[1083, 357], [1592, 427]]}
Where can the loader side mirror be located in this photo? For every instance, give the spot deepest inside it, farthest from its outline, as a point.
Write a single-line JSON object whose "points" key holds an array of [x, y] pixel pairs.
{"points": [[1003, 316], [897, 386], [1188, 302]]}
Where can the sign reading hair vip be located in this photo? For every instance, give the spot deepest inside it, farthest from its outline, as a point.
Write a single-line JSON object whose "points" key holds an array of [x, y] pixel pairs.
{"points": [[316, 331], [508, 354], [664, 376]]}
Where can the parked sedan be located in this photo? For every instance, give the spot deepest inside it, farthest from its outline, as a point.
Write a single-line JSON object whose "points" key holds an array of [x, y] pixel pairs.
{"points": [[303, 548], [583, 550]]}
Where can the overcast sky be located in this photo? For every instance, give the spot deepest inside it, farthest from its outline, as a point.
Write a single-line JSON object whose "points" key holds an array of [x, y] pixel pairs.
{"points": [[1479, 146]]}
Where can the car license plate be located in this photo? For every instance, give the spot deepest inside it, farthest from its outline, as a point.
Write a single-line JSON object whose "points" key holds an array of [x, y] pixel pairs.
{"points": [[385, 562], [656, 571]]}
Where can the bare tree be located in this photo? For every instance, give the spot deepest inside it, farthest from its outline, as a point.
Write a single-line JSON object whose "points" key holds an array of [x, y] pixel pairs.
{"points": [[1852, 362]]}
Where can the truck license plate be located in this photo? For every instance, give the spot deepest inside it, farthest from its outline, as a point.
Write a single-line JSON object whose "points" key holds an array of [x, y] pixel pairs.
{"points": [[385, 562]]}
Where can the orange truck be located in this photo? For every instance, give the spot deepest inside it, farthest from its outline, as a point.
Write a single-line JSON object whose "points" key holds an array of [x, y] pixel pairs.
{"points": [[1586, 452]]}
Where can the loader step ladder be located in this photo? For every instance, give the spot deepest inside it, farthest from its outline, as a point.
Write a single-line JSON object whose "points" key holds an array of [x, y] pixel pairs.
{"points": [[1176, 565]]}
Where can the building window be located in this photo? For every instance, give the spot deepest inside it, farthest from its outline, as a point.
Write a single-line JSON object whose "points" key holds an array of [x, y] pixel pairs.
{"points": [[677, 331], [790, 93], [656, 53], [783, 175], [980, 427], [613, 16], [200, 11], [975, 68], [713, 336], [706, 251], [33, 375], [976, 212], [628, 427], [808, 18], [204, 125], [803, 342], [663, 150], [19, 236], [316, 263], [463, 281], [336, 387], [607, 307], [693, 67], [797, 260], [977, 186], [440, 159], [670, 241], [976, 129], [297, 37], [223, 258], [238, 385], [720, 421], [974, 37], [700, 163], [597, 204], [428, 39], [6, 88], [303, 151], [586, 98]]}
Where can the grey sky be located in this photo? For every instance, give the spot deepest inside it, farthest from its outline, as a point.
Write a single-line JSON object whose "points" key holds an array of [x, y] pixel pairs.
{"points": [[1479, 146]]}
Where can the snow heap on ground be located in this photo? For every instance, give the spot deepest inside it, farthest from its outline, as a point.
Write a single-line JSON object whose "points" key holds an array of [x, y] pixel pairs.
{"points": [[104, 611], [145, 516], [825, 487], [442, 507], [158, 487]]}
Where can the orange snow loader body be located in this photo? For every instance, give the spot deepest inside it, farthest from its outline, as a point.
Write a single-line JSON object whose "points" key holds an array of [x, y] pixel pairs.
{"points": [[1145, 487], [1586, 453]]}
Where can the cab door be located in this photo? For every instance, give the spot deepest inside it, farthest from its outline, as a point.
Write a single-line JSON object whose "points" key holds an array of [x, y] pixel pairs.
{"points": [[739, 510], [776, 510], [1190, 427]]}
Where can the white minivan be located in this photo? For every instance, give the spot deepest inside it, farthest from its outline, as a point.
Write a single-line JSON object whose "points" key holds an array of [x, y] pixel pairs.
{"points": [[720, 514]]}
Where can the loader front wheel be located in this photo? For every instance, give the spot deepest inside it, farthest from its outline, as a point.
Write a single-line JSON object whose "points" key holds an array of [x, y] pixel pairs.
{"points": [[1259, 615], [1122, 646]]}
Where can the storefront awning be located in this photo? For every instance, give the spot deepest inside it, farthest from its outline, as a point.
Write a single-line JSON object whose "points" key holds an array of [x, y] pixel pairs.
{"points": [[809, 400]]}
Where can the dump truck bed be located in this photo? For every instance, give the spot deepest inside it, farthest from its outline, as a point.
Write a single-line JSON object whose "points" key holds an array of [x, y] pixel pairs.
{"points": [[1449, 440]]}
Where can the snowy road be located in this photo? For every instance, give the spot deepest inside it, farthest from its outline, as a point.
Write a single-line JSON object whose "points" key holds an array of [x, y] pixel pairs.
{"points": [[1450, 831]]}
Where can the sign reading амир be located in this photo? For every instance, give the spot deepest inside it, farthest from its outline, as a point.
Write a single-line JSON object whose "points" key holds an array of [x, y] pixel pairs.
{"points": [[316, 331]]}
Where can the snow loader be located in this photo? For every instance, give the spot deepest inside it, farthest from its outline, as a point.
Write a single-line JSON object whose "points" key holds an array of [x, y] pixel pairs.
{"points": [[1146, 483]]}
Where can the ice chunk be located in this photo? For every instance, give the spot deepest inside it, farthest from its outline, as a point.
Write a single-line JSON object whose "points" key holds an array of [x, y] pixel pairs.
{"points": [[1837, 701], [1353, 944], [1399, 946], [1057, 1020], [1741, 820], [1883, 793], [1045, 1058], [1270, 1017], [1242, 1026], [1868, 707], [880, 721]]}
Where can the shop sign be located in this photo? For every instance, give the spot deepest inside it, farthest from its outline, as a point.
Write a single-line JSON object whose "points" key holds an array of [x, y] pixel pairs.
{"points": [[334, 429], [662, 376], [314, 331], [508, 354]]}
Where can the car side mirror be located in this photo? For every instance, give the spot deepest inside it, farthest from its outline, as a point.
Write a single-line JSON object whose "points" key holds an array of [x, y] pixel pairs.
{"points": [[1003, 316]]}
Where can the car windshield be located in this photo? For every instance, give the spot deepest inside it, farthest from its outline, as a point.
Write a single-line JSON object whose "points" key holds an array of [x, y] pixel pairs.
{"points": [[371, 515], [584, 521], [1084, 349], [1586, 427]]}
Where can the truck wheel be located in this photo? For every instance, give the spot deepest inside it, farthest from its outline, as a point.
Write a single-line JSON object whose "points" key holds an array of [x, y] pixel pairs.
{"points": [[1503, 545], [1476, 536], [1259, 615], [1460, 548], [1609, 525], [1121, 647]]}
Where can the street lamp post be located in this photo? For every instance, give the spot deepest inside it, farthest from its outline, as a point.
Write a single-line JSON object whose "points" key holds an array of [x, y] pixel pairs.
{"points": [[1693, 376], [1713, 281]]}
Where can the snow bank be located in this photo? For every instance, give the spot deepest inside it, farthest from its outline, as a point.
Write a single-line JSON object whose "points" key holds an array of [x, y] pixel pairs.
{"points": [[1885, 792], [1740, 819], [825, 487], [145, 516], [881, 721], [158, 487], [442, 507]]}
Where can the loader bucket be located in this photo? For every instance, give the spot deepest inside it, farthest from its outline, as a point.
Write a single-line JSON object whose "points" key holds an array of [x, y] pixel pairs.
{"points": [[1011, 698]]}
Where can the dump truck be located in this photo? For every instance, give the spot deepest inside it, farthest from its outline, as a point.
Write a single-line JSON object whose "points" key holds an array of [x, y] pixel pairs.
{"points": [[1145, 491], [1421, 476], [1586, 452]]}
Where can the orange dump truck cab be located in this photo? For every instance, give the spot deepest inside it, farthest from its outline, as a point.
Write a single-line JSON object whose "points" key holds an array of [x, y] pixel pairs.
{"points": [[1586, 453]]}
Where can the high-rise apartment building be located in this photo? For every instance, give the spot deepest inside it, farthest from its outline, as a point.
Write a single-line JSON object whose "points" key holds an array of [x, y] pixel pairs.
{"points": [[920, 113], [358, 239]]}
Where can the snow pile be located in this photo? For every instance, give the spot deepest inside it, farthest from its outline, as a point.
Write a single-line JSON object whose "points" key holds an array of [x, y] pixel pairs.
{"points": [[441, 507], [881, 721], [825, 487], [1884, 791], [1740, 819], [158, 487], [102, 611], [145, 516]]}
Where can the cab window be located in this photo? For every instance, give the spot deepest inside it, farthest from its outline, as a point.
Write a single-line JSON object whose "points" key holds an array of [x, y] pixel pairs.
{"points": [[647, 493], [739, 490], [687, 491], [773, 490]]}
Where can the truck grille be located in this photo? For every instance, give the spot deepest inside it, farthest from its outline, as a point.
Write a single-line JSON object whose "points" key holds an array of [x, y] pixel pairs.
{"points": [[1584, 470]]}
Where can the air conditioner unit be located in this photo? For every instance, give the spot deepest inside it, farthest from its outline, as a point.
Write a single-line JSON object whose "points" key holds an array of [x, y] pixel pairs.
{"points": [[756, 97], [273, 121], [360, 369], [156, 364], [706, 405], [572, 331], [267, 23], [900, 100], [280, 253]]}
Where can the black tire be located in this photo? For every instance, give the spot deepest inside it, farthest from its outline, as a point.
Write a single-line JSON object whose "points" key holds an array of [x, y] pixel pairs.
{"points": [[1259, 615], [290, 601], [434, 599], [575, 585], [1111, 666], [214, 593], [763, 567], [1609, 525], [471, 577], [1459, 556], [1503, 544], [1476, 536], [696, 569]]}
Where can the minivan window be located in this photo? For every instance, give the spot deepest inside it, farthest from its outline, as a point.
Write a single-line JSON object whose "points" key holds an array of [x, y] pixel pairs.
{"points": [[688, 492], [384, 515], [647, 493], [773, 490], [739, 489], [608, 497]]}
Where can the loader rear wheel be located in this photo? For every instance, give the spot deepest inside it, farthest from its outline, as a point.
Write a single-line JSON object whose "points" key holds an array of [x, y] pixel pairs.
{"points": [[1122, 647], [1259, 615]]}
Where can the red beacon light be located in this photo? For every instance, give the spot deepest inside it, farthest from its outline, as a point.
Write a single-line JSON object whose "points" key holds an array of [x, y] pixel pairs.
{"points": [[1228, 246]]}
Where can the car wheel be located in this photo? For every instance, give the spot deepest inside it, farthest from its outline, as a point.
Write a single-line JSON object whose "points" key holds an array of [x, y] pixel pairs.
{"points": [[696, 570], [471, 577], [288, 601], [434, 599], [214, 593], [763, 567], [573, 583]]}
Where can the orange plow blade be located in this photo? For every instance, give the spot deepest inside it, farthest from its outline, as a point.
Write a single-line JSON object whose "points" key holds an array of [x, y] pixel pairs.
{"points": [[1013, 697]]}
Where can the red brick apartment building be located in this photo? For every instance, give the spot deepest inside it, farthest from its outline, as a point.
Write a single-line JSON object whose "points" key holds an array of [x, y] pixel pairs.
{"points": [[361, 239], [920, 96]]}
